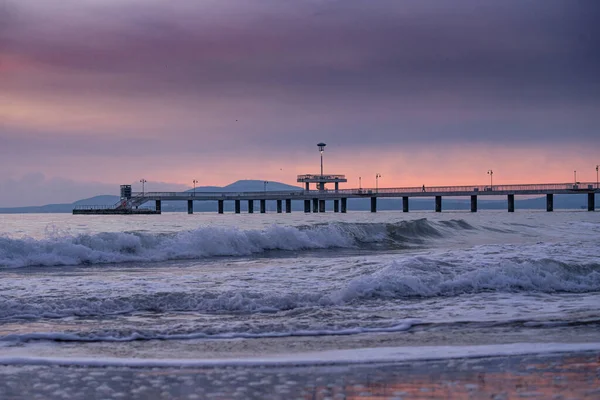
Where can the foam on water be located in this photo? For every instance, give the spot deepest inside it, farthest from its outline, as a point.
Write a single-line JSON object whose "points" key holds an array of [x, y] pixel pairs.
{"points": [[115, 247], [331, 357], [408, 277]]}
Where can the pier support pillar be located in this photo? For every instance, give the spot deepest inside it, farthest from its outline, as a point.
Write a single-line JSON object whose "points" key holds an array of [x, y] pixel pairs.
{"points": [[474, 203], [438, 203], [221, 203], [237, 206], [336, 205], [344, 204], [158, 205], [288, 205], [405, 204], [279, 206], [591, 201], [190, 206], [549, 202], [250, 206], [306, 186], [373, 204], [321, 205], [306, 206], [315, 205], [337, 186], [263, 206], [511, 203]]}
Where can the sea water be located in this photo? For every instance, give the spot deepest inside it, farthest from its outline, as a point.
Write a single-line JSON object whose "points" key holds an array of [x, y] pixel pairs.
{"points": [[178, 289]]}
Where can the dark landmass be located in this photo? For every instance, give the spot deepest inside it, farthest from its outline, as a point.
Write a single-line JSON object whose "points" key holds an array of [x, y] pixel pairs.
{"points": [[564, 201]]}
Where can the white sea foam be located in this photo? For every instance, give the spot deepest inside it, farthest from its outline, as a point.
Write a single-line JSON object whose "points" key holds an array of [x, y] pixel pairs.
{"points": [[114, 247], [331, 357], [408, 277]]}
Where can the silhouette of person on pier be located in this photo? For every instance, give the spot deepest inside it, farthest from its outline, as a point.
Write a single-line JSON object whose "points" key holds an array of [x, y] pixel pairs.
{"points": [[423, 188]]}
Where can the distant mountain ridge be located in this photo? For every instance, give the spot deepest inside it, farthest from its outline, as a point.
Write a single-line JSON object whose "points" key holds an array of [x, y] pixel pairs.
{"points": [[567, 201]]}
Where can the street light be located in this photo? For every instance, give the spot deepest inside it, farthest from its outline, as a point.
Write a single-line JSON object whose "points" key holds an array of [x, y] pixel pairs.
{"points": [[143, 181], [491, 174], [575, 176], [377, 176], [359, 183], [195, 181], [597, 176], [321, 148]]}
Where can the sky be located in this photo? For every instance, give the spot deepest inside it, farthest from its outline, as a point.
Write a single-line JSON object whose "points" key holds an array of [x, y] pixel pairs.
{"points": [[98, 93]]}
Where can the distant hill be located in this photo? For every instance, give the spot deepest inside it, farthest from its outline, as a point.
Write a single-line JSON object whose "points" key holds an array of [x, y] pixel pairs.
{"points": [[566, 201]]}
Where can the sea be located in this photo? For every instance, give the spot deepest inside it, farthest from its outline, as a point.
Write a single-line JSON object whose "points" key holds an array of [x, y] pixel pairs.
{"points": [[255, 291]]}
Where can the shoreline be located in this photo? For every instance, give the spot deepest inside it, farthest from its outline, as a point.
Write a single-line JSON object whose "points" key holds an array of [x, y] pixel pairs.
{"points": [[543, 376]]}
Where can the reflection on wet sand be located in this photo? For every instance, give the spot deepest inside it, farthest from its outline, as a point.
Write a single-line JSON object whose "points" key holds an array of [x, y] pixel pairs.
{"points": [[575, 376]]}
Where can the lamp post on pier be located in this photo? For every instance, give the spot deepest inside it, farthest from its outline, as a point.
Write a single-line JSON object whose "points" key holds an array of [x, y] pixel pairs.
{"points": [[360, 183], [195, 181], [377, 176], [597, 176], [575, 177], [321, 148], [491, 174], [143, 181]]}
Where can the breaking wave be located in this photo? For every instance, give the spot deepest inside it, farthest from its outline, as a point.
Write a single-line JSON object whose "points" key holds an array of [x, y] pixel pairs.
{"points": [[413, 277], [116, 247]]}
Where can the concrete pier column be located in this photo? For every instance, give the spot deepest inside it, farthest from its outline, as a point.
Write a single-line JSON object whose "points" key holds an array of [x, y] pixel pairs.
{"points": [[221, 203], [337, 186], [288, 205], [438, 203], [237, 206], [279, 206], [306, 186], [263, 206], [158, 205], [336, 205], [190, 206], [344, 204], [549, 202], [321, 205], [474, 203], [306, 206], [591, 201], [405, 204], [315, 205], [250, 206], [511, 203], [373, 204]]}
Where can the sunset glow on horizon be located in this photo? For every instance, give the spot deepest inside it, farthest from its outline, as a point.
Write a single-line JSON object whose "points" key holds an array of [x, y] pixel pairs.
{"points": [[97, 94]]}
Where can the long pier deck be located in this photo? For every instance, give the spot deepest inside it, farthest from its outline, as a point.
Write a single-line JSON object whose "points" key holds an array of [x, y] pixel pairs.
{"points": [[317, 198]]}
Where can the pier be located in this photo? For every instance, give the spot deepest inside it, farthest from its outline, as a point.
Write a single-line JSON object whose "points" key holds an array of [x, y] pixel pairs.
{"points": [[315, 200]]}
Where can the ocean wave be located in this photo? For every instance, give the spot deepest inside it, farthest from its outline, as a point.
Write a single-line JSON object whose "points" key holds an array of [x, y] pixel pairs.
{"points": [[116, 247], [283, 331], [410, 277], [430, 277]]}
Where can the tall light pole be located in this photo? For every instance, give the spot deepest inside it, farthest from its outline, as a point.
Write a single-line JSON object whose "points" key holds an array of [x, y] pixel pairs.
{"points": [[597, 176], [143, 181], [491, 174], [321, 148], [195, 181], [377, 176], [575, 176], [359, 182]]}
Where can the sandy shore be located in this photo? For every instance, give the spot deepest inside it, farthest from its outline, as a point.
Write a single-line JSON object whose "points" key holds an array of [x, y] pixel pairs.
{"points": [[556, 376]]}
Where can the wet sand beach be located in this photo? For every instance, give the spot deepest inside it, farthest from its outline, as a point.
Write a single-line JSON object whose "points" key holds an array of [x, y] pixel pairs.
{"points": [[552, 376]]}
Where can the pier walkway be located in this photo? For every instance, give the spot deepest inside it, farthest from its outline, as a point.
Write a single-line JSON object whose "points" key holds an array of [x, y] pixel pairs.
{"points": [[314, 200]]}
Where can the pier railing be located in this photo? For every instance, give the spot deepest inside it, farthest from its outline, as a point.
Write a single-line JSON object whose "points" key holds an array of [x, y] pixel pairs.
{"points": [[411, 190]]}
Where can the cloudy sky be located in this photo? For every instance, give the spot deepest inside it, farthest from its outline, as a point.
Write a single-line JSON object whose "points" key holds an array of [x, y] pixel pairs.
{"points": [[96, 93]]}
